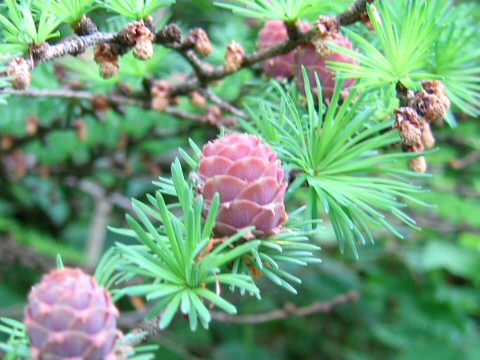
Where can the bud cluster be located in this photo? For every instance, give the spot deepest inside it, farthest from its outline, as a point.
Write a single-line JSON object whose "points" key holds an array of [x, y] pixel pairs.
{"points": [[413, 120]]}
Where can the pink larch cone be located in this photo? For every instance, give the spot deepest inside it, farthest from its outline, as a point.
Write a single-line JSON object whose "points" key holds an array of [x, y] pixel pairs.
{"points": [[275, 32], [250, 181], [313, 62], [69, 316]]}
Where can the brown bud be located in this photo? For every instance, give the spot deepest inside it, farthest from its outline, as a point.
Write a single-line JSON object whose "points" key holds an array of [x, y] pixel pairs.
{"points": [[170, 34], [434, 87], [418, 164], [6, 142], [427, 136], [82, 129], [19, 70], [200, 40], [85, 27], [106, 55], [432, 107], [197, 99], [327, 31], [137, 31], [160, 92], [32, 124], [100, 103], [213, 115], [408, 125], [143, 50], [234, 57]]}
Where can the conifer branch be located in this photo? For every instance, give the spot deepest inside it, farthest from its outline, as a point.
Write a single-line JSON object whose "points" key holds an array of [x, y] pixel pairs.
{"points": [[150, 328]]}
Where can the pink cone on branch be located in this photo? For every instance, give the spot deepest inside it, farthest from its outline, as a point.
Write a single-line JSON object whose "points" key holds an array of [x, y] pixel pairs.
{"points": [[308, 57], [69, 316], [275, 32], [250, 181]]}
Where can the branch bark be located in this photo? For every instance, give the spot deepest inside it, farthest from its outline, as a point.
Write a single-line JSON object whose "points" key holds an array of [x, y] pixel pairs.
{"points": [[150, 328]]}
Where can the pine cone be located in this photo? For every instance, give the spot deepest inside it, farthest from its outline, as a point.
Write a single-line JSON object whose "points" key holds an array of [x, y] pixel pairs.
{"points": [[250, 181], [19, 70], [70, 317], [274, 32], [313, 62], [234, 57]]}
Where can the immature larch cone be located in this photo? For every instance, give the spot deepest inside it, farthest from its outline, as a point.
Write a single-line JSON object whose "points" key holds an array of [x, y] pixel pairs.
{"points": [[140, 36], [313, 62], [234, 57], [418, 164], [106, 57], [250, 181], [275, 32], [432, 102], [69, 316], [19, 70], [200, 40], [408, 125]]}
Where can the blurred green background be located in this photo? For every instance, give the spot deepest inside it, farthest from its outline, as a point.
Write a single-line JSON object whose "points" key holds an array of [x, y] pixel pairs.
{"points": [[419, 297]]}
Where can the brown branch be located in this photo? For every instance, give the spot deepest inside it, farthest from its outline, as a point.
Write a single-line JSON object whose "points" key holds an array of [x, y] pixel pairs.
{"points": [[223, 104], [353, 13], [150, 328], [111, 98], [287, 311]]}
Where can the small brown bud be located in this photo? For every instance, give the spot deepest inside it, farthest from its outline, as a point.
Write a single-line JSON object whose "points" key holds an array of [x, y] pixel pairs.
{"points": [[234, 57], [85, 27], [434, 87], [137, 31], [7, 142], [427, 136], [100, 103], [408, 125], [32, 124], [106, 55], [19, 70], [143, 50], [213, 115], [199, 38], [82, 129], [160, 92], [327, 30], [197, 99], [432, 107], [169, 34], [418, 164]]}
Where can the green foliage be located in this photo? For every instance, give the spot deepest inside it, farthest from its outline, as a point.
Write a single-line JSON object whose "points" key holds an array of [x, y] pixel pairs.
{"points": [[288, 10], [336, 151], [70, 11], [136, 9], [22, 29], [172, 257], [17, 346], [405, 46], [407, 33]]}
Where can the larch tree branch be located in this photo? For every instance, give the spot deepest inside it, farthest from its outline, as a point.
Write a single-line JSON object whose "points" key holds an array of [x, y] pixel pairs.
{"points": [[150, 328]]}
